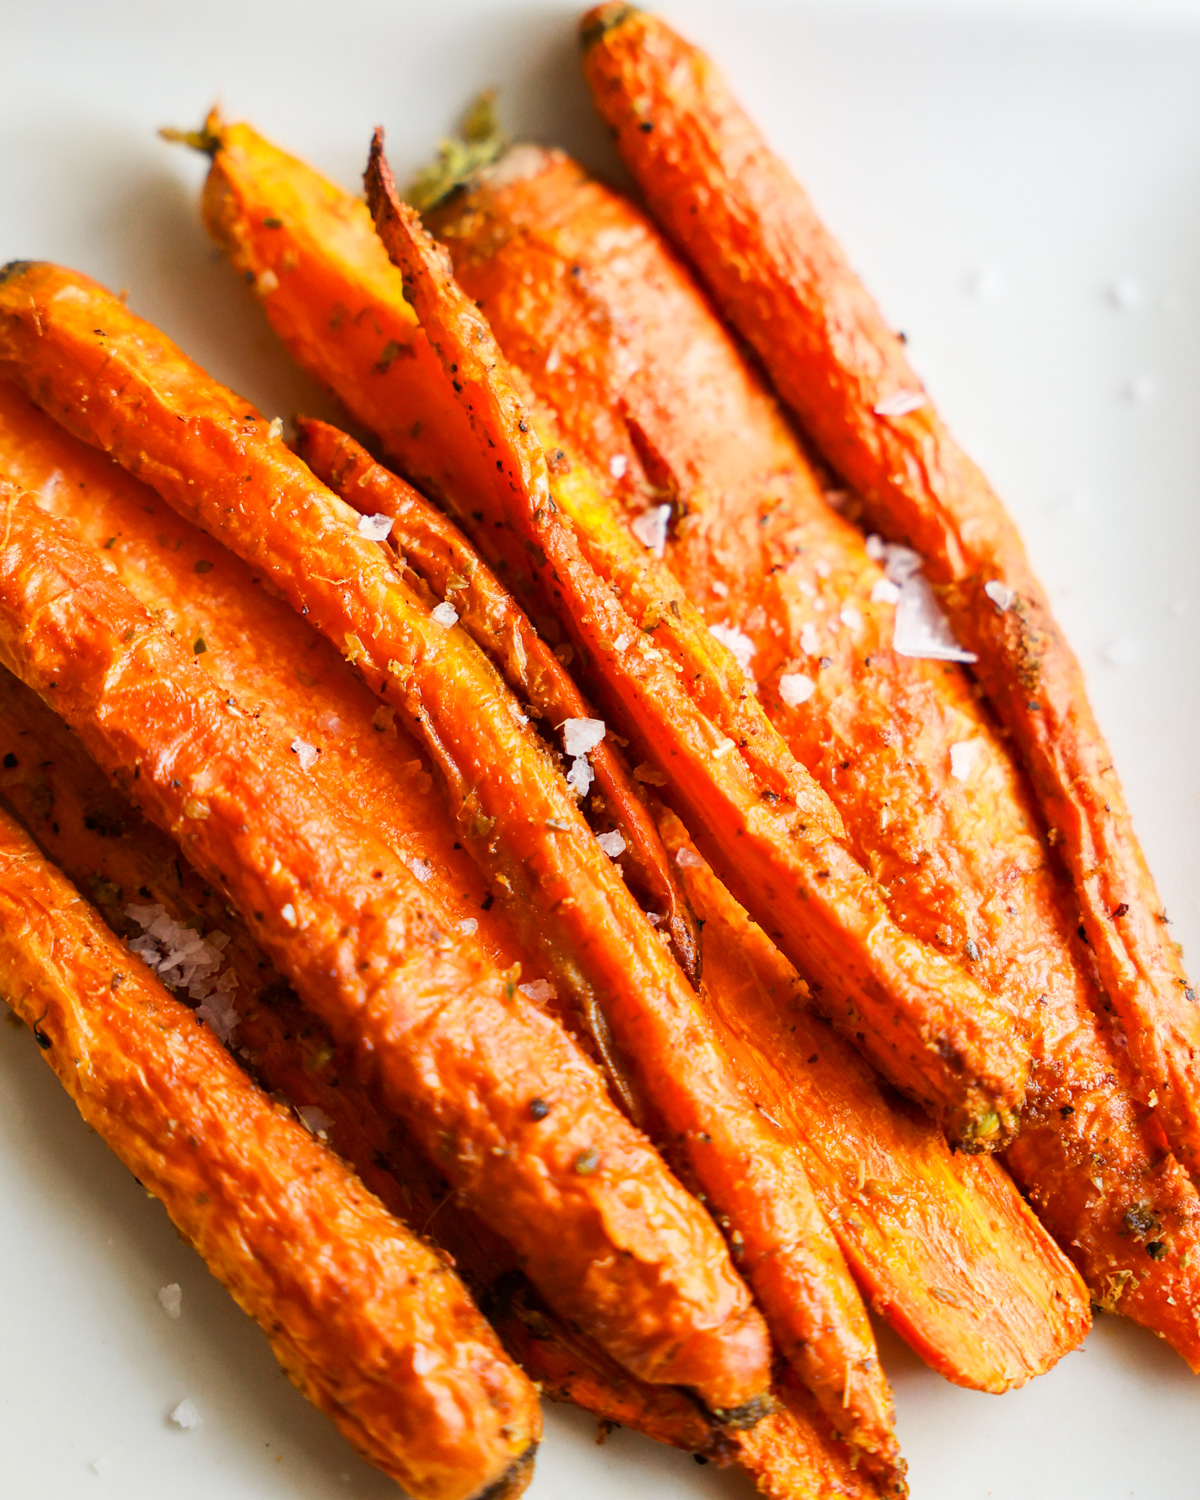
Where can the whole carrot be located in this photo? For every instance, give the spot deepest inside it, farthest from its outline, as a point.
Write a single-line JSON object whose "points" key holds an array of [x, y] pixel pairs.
{"points": [[491, 1088], [517, 811], [774, 270], [364, 1318], [614, 335], [322, 284]]}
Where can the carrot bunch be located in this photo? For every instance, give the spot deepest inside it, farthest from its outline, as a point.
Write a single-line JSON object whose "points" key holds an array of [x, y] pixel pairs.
{"points": [[589, 866]]}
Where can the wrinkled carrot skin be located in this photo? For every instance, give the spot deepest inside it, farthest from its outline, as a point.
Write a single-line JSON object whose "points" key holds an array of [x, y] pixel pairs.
{"points": [[777, 838], [783, 282], [691, 1094], [645, 375], [447, 1046], [102, 843], [370, 1325], [320, 300], [452, 568]]}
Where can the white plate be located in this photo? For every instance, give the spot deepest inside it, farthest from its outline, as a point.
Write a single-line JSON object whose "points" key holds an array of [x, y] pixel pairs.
{"points": [[1038, 157]]}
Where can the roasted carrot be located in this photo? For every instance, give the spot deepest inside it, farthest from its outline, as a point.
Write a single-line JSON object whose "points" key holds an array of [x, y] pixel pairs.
{"points": [[517, 810], [325, 286], [367, 1321], [645, 379], [775, 836], [452, 568], [782, 281], [450, 1046]]}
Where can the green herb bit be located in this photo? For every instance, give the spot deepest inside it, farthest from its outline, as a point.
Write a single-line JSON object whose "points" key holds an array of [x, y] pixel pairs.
{"points": [[461, 157]]}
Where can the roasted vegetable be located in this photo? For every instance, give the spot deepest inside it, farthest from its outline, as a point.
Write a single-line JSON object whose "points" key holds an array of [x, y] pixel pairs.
{"points": [[781, 280], [516, 811], [320, 276], [253, 643], [448, 1042], [366, 1320], [644, 379]]}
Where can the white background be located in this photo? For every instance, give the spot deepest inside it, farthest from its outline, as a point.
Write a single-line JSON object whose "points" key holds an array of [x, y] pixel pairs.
{"points": [[1042, 150]]}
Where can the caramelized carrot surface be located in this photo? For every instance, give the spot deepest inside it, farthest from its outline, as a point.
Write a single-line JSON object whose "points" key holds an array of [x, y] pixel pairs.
{"points": [[516, 808], [450, 1045], [782, 281], [452, 568], [366, 1320], [947, 1052], [644, 379]]}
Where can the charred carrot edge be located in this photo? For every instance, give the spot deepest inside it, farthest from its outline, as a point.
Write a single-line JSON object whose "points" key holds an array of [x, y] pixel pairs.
{"points": [[694, 1098], [920, 1018], [434, 1029], [525, 244], [101, 842], [737, 212], [453, 569], [353, 1310]]}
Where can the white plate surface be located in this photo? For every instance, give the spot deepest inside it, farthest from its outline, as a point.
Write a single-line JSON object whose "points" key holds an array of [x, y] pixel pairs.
{"points": [[996, 170]]}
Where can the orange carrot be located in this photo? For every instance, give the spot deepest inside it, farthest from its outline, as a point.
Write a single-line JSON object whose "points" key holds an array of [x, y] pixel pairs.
{"points": [[451, 1048], [776, 273], [517, 809], [646, 379], [364, 1319], [452, 568], [319, 274], [777, 838]]}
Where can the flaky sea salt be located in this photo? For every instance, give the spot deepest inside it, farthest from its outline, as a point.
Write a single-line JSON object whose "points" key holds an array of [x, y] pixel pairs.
{"points": [[810, 642], [375, 528], [422, 869], [851, 618], [899, 404], [305, 753], [539, 991], [445, 615], [171, 1298], [582, 735], [999, 593], [884, 591], [736, 641], [876, 547], [275, 430], [795, 688], [187, 1415], [621, 642], [185, 961], [720, 588], [612, 843], [724, 747], [617, 465], [580, 776], [650, 528], [469, 926], [963, 758], [688, 859], [921, 629], [314, 1120]]}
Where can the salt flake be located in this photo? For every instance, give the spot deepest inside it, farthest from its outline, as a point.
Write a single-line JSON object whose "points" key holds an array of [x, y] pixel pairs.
{"points": [[582, 735], [963, 758], [736, 641], [580, 776], [921, 629], [795, 688], [305, 753], [999, 593], [469, 926], [445, 615], [810, 642], [187, 1415], [612, 843], [539, 991], [171, 1298], [375, 528], [422, 869], [885, 591], [851, 618], [688, 859], [617, 465], [650, 528]]}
